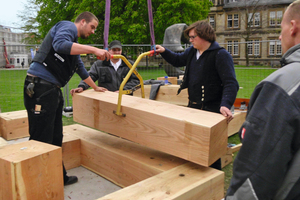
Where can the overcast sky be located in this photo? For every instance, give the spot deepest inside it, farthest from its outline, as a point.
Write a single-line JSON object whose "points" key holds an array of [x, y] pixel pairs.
{"points": [[9, 10]]}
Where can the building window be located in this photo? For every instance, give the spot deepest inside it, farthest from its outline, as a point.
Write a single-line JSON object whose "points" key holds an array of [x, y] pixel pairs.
{"points": [[229, 47], [233, 21], [275, 18], [212, 21], [254, 20], [229, 21], [275, 48], [257, 19], [278, 48], [256, 48], [250, 48], [253, 47], [233, 47]]}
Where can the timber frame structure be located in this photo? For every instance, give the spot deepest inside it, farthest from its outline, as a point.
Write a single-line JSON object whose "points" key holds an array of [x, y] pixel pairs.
{"points": [[144, 152]]}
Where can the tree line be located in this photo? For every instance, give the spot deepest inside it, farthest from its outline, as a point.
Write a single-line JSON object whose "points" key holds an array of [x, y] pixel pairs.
{"points": [[129, 21]]}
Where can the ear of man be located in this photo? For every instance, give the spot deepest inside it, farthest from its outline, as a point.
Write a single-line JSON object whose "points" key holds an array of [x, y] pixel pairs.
{"points": [[293, 29]]}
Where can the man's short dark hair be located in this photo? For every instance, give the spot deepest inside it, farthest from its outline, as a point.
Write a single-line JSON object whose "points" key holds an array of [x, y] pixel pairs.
{"points": [[88, 16], [203, 29]]}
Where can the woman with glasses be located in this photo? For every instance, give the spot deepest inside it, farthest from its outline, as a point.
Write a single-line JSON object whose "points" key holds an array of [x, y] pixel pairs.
{"points": [[209, 74]]}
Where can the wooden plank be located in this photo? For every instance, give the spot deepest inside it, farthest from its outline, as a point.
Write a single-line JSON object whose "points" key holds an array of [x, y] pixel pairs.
{"points": [[236, 148], [70, 151], [172, 80], [185, 182], [14, 125], [167, 94], [31, 170], [195, 135], [235, 124], [118, 160], [227, 158]]}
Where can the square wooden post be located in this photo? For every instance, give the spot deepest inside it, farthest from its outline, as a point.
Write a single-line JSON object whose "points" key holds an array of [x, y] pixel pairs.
{"points": [[14, 125], [31, 170]]}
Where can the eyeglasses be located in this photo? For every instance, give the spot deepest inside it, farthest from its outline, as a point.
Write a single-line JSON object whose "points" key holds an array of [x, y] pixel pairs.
{"points": [[193, 37]]}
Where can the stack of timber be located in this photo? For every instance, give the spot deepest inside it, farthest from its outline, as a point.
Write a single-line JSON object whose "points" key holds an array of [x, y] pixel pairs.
{"points": [[194, 135], [194, 138], [121, 161], [144, 173]]}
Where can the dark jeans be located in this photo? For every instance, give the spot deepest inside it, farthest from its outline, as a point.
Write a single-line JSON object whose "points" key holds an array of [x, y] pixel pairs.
{"points": [[45, 124], [212, 108]]}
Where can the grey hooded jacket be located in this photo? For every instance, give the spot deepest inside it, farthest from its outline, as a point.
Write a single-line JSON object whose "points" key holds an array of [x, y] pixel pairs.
{"points": [[268, 164], [109, 78]]}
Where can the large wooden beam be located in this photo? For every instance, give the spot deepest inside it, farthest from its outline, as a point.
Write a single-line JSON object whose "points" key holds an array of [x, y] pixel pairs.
{"points": [[121, 161], [147, 173], [185, 182], [14, 125], [194, 135], [71, 151], [31, 170], [235, 124], [168, 94]]}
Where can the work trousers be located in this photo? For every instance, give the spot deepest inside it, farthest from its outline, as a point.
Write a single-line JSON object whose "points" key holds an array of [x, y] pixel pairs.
{"points": [[44, 110]]}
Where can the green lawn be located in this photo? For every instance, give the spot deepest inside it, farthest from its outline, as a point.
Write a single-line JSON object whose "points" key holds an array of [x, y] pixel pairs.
{"points": [[11, 93], [248, 78], [11, 84]]}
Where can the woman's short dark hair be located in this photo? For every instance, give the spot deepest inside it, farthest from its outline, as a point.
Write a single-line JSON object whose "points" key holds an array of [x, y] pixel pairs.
{"points": [[203, 29], [88, 16]]}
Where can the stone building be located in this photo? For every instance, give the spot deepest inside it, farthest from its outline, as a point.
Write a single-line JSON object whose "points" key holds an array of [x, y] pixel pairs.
{"points": [[249, 27], [17, 52]]}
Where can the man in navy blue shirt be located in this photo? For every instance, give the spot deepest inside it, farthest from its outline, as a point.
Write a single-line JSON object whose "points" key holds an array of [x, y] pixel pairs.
{"points": [[54, 64]]}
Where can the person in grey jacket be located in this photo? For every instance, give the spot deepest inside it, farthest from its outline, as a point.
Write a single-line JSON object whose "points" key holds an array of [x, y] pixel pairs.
{"points": [[110, 74], [267, 165]]}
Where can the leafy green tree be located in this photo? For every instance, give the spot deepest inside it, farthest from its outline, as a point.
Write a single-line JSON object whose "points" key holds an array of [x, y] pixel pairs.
{"points": [[129, 21], [29, 24]]}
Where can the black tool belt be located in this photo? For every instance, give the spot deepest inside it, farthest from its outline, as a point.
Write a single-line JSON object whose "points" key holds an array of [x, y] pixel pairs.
{"points": [[34, 79]]}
